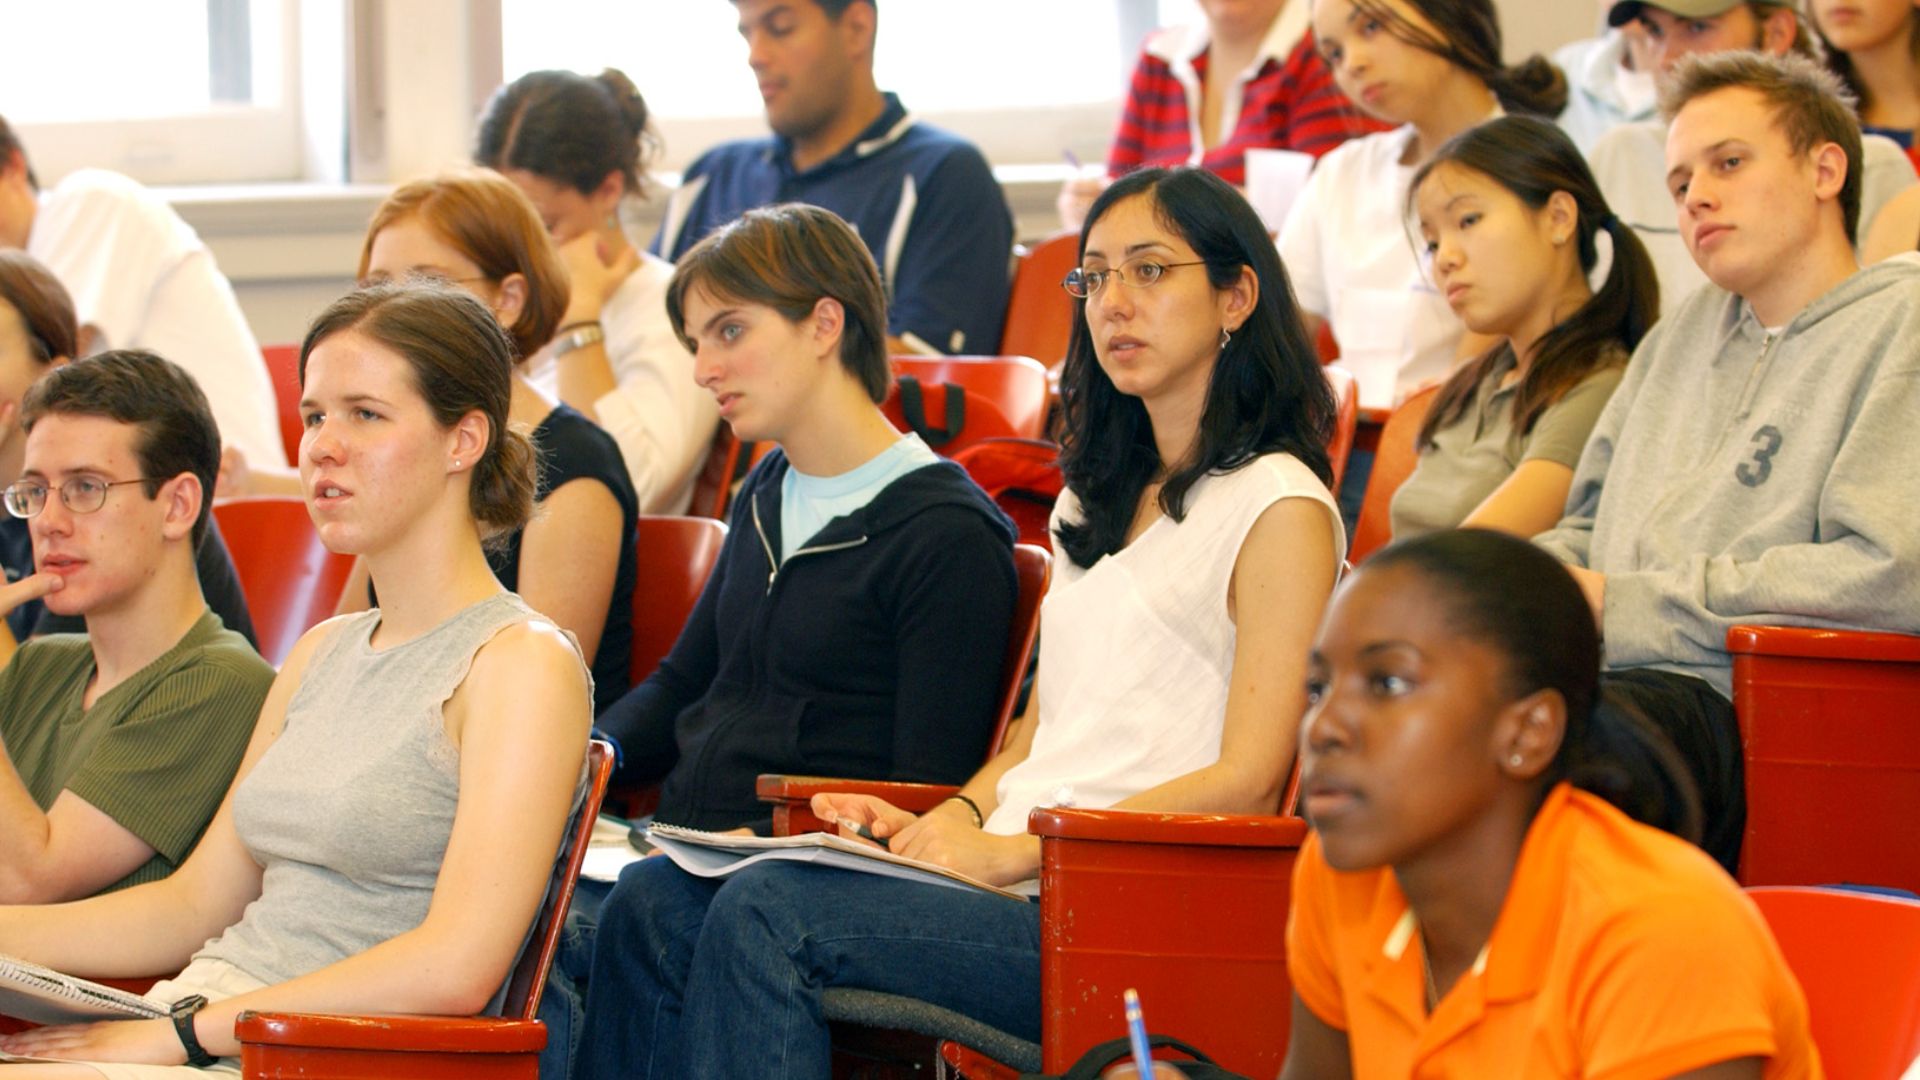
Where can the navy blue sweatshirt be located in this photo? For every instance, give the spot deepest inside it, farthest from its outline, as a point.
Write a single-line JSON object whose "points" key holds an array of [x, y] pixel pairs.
{"points": [[873, 652]]}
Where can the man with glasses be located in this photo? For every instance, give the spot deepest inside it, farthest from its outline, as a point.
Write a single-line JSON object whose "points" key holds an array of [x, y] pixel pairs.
{"points": [[120, 744]]}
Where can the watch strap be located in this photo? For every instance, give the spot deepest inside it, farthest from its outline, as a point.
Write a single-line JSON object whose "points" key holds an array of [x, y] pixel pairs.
{"points": [[182, 1013]]}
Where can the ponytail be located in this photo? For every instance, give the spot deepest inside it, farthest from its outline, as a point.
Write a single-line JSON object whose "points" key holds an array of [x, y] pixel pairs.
{"points": [[504, 481], [1534, 159], [1533, 86], [1625, 758]]}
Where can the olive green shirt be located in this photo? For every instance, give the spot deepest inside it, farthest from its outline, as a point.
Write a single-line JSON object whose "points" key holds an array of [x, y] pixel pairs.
{"points": [[155, 753], [1470, 458]]}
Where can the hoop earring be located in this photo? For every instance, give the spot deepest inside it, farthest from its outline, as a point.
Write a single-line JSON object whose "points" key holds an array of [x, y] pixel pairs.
{"points": [[1224, 338]]}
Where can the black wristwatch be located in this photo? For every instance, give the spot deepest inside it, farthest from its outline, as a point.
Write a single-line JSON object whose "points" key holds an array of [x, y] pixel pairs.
{"points": [[182, 1013]]}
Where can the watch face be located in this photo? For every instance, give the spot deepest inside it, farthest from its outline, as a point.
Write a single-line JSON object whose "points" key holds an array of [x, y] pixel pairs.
{"points": [[188, 1005]]}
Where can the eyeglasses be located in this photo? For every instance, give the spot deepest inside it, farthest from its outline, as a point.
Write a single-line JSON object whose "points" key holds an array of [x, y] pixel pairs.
{"points": [[1141, 274], [82, 495]]}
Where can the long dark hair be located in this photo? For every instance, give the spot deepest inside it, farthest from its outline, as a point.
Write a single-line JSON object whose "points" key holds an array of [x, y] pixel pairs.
{"points": [[1509, 595], [1466, 34], [1266, 394], [1533, 159]]}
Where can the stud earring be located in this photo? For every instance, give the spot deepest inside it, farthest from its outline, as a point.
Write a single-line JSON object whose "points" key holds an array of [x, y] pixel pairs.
{"points": [[456, 463], [1515, 760]]}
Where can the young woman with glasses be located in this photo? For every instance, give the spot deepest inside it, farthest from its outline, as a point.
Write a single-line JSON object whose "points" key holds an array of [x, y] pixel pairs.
{"points": [[1197, 543]]}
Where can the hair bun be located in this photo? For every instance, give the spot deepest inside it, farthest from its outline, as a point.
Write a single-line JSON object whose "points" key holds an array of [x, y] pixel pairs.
{"points": [[626, 96], [1534, 85]]}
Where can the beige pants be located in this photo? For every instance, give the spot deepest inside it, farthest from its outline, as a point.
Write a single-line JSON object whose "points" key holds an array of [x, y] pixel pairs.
{"points": [[216, 979]]}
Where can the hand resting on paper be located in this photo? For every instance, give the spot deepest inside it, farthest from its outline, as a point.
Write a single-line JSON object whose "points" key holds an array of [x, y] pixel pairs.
{"points": [[944, 836], [139, 1042]]}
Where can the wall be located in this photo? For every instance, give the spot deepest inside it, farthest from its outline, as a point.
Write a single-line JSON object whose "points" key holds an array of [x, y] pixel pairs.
{"points": [[291, 249]]}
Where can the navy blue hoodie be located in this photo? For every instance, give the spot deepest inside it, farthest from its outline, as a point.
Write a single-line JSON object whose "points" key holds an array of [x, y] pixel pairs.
{"points": [[873, 652]]}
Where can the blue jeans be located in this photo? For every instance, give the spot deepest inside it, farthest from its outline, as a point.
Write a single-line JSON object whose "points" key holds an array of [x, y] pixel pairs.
{"points": [[723, 977]]}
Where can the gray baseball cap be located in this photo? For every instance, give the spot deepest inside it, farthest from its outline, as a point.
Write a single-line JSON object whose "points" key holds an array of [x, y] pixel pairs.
{"points": [[1626, 11]]}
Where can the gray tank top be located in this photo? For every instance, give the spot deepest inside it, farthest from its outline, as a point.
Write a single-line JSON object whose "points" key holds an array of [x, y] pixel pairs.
{"points": [[350, 809]]}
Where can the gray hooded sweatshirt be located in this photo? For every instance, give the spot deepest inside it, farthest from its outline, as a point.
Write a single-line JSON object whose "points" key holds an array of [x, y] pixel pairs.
{"points": [[1739, 476]]}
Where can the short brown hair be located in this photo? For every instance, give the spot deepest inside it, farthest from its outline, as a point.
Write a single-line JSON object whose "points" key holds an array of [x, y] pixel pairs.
{"points": [[176, 432], [790, 257], [459, 360], [1810, 106], [493, 223], [45, 307]]}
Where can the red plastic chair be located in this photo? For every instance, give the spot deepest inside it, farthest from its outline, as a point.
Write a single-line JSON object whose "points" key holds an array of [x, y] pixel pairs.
{"points": [[291, 581], [283, 368], [674, 557], [1022, 476], [1393, 461], [284, 1046], [713, 487], [1004, 397], [1039, 312], [791, 796], [1830, 720], [1857, 956], [1346, 419]]}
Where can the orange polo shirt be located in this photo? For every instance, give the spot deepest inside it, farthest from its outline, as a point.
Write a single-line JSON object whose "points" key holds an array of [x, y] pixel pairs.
{"points": [[1621, 952]]}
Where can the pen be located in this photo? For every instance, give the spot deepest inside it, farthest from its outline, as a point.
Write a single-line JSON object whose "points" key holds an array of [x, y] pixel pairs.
{"points": [[861, 831], [1073, 159], [1137, 1034]]}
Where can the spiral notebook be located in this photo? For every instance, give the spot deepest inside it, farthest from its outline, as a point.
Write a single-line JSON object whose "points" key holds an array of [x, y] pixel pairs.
{"points": [[45, 996], [719, 854]]}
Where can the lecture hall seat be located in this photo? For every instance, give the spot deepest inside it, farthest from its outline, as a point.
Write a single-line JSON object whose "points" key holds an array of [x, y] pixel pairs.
{"points": [[291, 581], [283, 369], [1001, 397], [1346, 419], [286, 1046], [1022, 477], [1393, 461], [1830, 724], [1040, 314], [1857, 956]]}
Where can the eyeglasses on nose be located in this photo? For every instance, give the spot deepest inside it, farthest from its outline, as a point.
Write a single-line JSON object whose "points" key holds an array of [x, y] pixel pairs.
{"points": [[1139, 274], [82, 495]]}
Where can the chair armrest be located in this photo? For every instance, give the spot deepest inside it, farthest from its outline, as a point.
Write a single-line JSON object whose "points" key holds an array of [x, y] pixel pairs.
{"points": [[1142, 827], [1815, 644], [792, 796], [422, 1034], [970, 1064]]}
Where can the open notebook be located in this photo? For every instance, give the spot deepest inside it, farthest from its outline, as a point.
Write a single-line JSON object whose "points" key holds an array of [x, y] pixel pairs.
{"points": [[45, 996], [719, 854]]}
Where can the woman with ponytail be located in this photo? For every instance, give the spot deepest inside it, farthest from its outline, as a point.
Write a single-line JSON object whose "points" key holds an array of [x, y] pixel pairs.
{"points": [[1511, 223], [395, 819], [1432, 67], [578, 146], [1492, 887]]}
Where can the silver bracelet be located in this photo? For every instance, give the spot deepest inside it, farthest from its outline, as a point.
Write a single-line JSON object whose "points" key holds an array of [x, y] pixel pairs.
{"points": [[581, 336]]}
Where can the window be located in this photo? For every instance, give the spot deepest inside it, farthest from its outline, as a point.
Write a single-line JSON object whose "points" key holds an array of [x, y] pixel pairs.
{"points": [[168, 91], [1025, 80]]}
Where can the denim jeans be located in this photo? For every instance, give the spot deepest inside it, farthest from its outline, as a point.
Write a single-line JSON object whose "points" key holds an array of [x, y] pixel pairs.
{"points": [[723, 977]]}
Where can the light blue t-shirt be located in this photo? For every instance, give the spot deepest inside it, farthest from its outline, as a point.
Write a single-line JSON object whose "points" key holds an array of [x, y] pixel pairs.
{"points": [[807, 503]]}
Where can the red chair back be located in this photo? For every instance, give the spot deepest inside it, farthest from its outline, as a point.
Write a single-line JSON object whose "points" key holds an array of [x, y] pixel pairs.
{"points": [[713, 488], [1831, 731], [530, 974], [1004, 397], [1393, 462], [291, 581], [1033, 572], [1190, 909], [283, 368], [1346, 418], [674, 556], [1039, 312], [1022, 476], [1857, 957]]}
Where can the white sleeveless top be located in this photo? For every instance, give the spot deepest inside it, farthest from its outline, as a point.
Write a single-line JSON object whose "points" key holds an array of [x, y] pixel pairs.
{"points": [[1137, 649]]}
